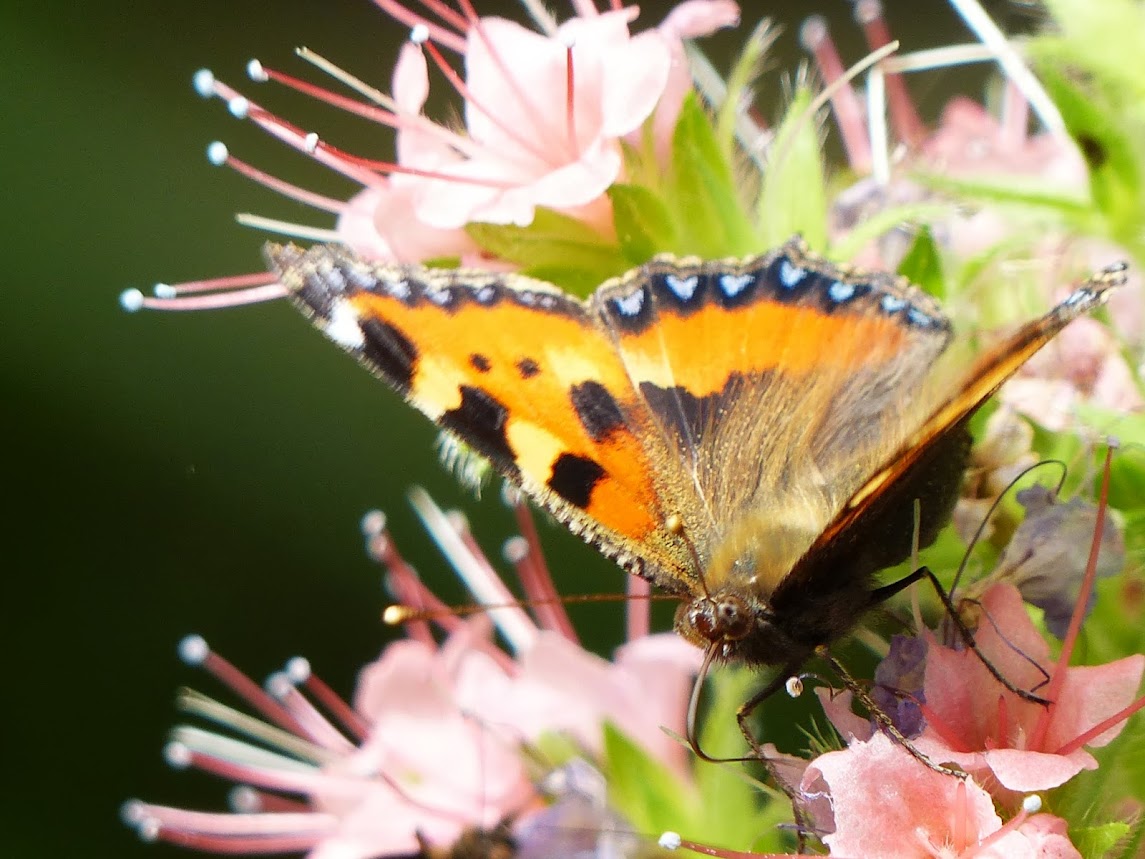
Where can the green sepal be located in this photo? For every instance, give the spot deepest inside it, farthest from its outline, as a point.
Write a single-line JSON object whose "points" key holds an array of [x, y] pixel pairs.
{"points": [[793, 198], [643, 223], [702, 192]]}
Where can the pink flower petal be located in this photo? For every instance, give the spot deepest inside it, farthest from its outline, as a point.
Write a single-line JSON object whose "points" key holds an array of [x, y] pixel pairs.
{"points": [[888, 804]]}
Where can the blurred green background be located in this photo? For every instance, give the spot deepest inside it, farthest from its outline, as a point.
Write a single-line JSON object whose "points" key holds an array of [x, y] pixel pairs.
{"points": [[206, 472]]}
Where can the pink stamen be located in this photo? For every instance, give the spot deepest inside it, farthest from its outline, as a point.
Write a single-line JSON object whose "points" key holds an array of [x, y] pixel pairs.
{"points": [[960, 824], [246, 800], [328, 698], [401, 580], [638, 609], [397, 121], [390, 167], [540, 586], [132, 299], [244, 108], [1031, 805], [1003, 724], [314, 725], [411, 19], [459, 85], [1101, 727], [195, 651], [215, 284], [844, 102], [1058, 676], [229, 833], [220, 156], [908, 126], [570, 102]]}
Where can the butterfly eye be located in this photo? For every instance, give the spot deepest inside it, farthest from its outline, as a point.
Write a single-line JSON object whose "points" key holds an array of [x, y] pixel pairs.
{"points": [[727, 618]]}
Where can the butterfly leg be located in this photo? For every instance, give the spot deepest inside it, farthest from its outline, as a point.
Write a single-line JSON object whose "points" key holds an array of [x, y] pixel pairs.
{"points": [[881, 716], [887, 591]]}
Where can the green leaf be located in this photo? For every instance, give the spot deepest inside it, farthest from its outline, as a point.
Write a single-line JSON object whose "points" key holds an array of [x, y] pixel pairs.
{"points": [[922, 264], [1114, 170], [646, 792], [793, 198], [702, 192], [1095, 841], [643, 222], [555, 247], [742, 812]]}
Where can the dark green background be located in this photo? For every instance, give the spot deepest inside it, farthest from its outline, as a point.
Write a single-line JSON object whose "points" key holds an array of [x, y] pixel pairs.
{"points": [[204, 472]]}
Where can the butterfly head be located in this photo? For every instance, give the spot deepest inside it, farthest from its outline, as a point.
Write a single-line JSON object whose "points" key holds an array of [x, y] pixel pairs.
{"points": [[739, 626]]}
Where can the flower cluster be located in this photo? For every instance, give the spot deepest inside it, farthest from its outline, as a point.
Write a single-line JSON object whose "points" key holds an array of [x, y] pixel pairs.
{"points": [[585, 148]]}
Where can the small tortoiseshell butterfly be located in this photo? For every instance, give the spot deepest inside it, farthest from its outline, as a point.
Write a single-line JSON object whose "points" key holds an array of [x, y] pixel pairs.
{"points": [[750, 435]]}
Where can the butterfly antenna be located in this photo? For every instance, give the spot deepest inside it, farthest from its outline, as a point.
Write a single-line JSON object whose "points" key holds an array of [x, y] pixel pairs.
{"points": [[399, 614], [981, 529]]}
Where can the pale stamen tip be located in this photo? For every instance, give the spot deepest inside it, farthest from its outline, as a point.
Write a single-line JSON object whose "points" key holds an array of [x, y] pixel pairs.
{"points": [[204, 82], [457, 521], [310, 142], [239, 107], [510, 495], [244, 800], [794, 686], [1113, 442], [279, 685], [194, 649], [567, 39], [164, 290], [515, 549], [373, 523], [670, 840], [217, 153], [298, 669], [133, 812], [256, 72], [1032, 804], [177, 755], [867, 11], [812, 32], [419, 35], [148, 830], [131, 300]]}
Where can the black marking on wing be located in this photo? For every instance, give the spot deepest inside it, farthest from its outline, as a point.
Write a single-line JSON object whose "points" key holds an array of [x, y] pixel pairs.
{"points": [[574, 477], [390, 351], [480, 362], [598, 412], [480, 421], [528, 368]]}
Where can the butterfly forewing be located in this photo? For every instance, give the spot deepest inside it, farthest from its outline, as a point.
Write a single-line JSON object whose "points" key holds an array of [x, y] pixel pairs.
{"points": [[529, 381], [777, 384]]}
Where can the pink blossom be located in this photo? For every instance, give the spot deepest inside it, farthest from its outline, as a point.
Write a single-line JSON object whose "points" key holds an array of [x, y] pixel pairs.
{"points": [[1002, 739], [432, 748], [880, 801]]}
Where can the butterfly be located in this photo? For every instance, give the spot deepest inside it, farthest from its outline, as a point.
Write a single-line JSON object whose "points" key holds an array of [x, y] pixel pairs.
{"points": [[750, 435]]}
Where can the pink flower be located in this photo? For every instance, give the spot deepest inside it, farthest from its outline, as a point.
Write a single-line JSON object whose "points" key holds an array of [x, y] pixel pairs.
{"points": [[545, 117], [1002, 739], [432, 748], [874, 799]]}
